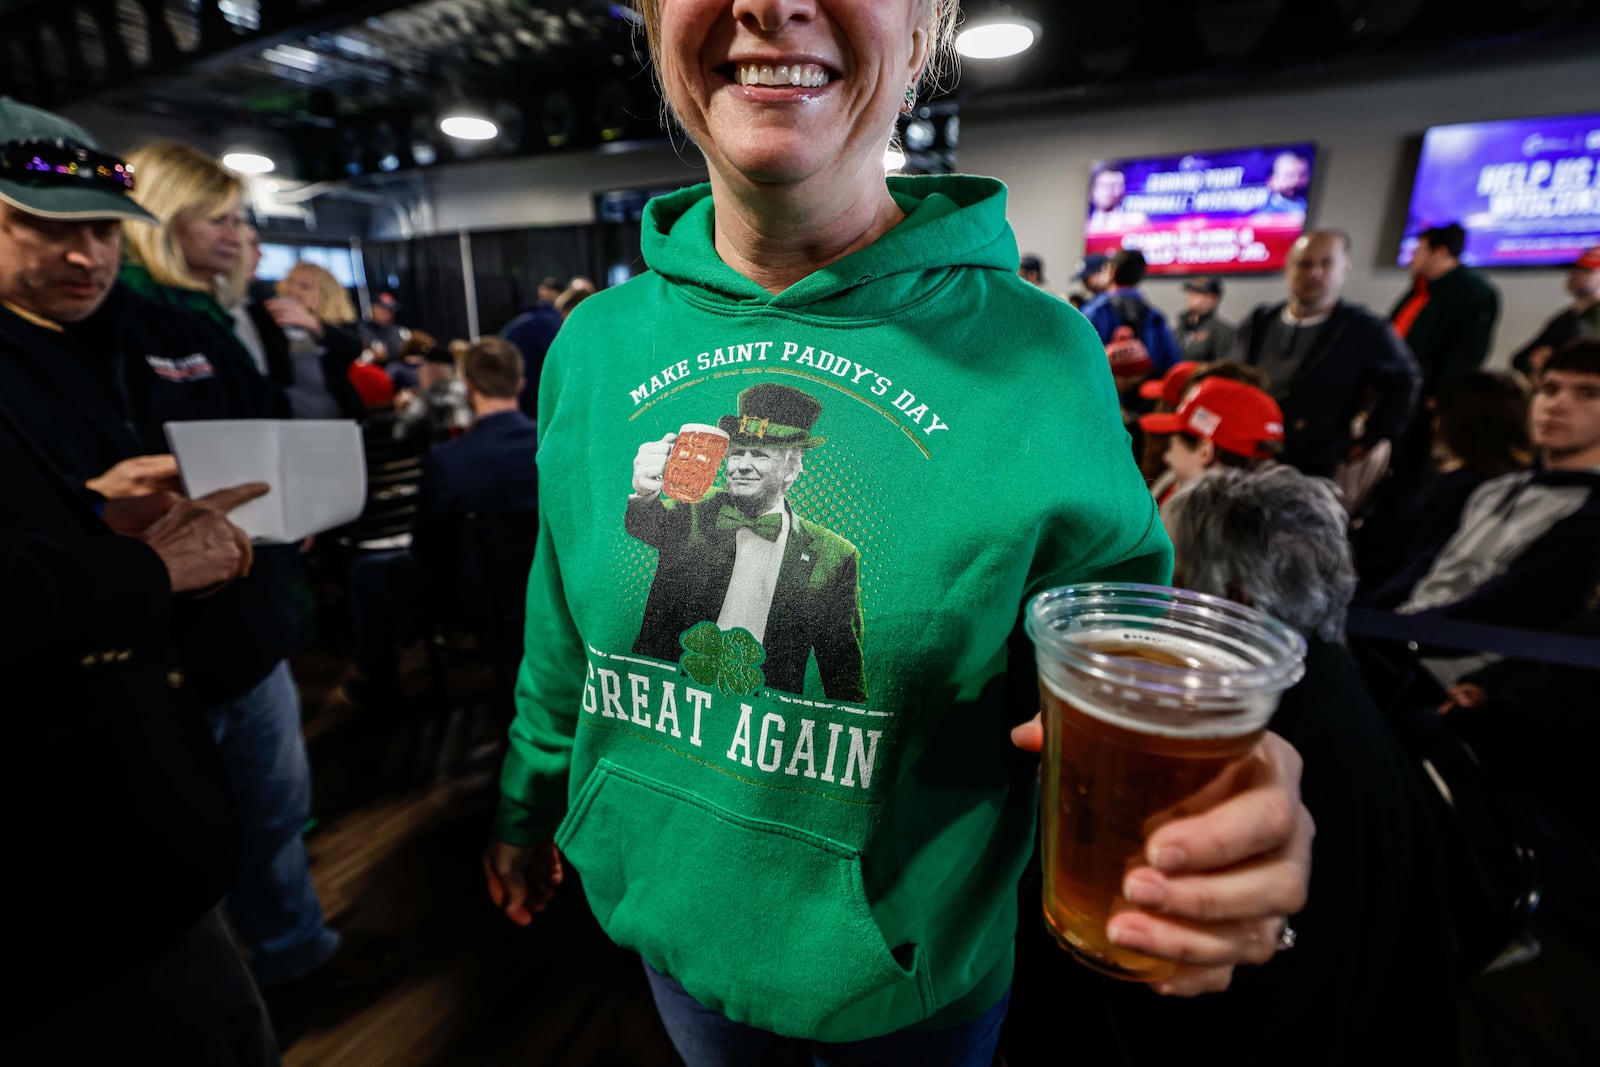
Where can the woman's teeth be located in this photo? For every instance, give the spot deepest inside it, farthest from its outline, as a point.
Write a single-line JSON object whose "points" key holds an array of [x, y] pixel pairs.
{"points": [[808, 75]]}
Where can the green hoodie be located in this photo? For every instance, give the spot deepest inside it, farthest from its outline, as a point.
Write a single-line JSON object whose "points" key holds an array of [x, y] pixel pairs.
{"points": [[813, 816]]}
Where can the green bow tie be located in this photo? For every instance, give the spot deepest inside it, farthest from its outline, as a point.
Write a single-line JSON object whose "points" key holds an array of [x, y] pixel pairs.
{"points": [[767, 526]]}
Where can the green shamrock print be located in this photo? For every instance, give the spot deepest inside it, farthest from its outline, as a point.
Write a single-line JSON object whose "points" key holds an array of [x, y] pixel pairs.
{"points": [[728, 660]]}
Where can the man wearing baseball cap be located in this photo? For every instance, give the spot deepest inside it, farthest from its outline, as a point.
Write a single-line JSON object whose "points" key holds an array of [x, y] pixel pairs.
{"points": [[127, 844], [1202, 333], [381, 330], [1091, 278], [1221, 423], [1580, 319]]}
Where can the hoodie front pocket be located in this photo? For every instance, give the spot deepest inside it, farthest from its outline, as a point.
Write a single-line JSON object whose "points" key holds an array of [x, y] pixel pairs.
{"points": [[763, 922]]}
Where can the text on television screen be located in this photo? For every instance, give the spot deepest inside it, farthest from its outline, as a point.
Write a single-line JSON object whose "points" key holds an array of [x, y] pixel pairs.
{"points": [[1229, 212], [1527, 191]]}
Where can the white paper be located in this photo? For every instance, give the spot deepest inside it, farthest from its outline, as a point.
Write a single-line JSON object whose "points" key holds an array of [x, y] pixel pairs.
{"points": [[316, 468]]}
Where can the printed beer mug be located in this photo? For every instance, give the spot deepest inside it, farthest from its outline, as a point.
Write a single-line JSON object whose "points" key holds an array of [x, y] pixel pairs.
{"points": [[692, 467], [1148, 694]]}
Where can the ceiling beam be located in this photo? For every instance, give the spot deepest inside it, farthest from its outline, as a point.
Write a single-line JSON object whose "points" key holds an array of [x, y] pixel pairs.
{"points": [[62, 53]]}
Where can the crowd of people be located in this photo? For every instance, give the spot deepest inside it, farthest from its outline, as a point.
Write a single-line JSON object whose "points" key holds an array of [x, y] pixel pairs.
{"points": [[793, 705]]}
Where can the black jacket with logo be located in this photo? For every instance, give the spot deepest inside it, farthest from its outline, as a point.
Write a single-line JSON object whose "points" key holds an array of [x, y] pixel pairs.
{"points": [[122, 835], [98, 392]]}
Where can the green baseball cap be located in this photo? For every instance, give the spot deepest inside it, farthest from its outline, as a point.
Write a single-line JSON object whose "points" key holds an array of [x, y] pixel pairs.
{"points": [[52, 168]]}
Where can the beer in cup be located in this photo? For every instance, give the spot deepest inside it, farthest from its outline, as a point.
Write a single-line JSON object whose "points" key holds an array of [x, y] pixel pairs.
{"points": [[1148, 695], [692, 467]]}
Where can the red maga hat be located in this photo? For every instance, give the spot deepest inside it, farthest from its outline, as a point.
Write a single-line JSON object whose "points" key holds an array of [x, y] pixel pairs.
{"points": [[1590, 260], [1170, 387], [1231, 415]]}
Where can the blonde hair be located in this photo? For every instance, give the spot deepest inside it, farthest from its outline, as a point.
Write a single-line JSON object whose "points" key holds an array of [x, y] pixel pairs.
{"points": [[177, 183], [939, 18], [333, 303]]}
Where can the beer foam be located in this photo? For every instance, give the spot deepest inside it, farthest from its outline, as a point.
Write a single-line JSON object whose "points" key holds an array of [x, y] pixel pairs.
{"points": [[1203, 656]]}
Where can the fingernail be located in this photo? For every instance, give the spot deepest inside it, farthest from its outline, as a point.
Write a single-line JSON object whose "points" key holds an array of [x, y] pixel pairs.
{"points": [[1145, 892], [1168, 858], [1127, 937]]}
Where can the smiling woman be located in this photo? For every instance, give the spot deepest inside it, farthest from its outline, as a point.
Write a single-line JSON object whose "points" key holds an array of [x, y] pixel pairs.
{"points": [[768, 717]]}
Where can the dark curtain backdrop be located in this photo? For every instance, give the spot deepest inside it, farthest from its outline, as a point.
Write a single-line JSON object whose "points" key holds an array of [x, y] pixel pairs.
{"points": [[425, 273], [507, 266]]}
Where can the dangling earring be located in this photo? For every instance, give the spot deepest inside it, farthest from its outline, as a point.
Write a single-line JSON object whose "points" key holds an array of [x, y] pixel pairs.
{"points": [[911, 99]]}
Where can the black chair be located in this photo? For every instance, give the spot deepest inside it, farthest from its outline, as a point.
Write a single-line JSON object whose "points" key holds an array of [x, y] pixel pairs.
{"points": [[394, 480], [388, 515], [476, 613]]}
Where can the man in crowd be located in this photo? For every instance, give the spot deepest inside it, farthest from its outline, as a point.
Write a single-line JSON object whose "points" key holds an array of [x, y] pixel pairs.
{"points": [[1447, 319], [489, 470], [1525, 554], [1203, 334], [1344, 380], [1447, 316], [382, 332], [106, 766], [1123, 305], [91, 371], [1090, 278], [532, 330], [1580, 319], [1031, 270]]}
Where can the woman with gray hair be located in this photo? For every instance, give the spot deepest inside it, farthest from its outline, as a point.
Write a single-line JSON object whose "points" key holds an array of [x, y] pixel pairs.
{"points": [[1275, 540], [1373, 954]]}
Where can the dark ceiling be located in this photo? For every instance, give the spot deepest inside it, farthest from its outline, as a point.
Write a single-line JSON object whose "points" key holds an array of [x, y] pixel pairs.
{"points": [[354, 86]]}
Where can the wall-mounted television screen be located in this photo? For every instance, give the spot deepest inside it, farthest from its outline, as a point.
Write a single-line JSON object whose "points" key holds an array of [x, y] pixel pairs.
{"points": [[1527, 191], [277, 260], [1229, 212]]}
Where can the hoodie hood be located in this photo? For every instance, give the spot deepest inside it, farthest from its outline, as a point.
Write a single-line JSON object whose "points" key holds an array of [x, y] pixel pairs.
{"points": [[952, 222]]}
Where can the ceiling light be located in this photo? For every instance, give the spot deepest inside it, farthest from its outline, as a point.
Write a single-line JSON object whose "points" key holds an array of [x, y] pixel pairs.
{"points": [[893, 158], [997, 38], [468, 127], [288, 55], [249, 163]]}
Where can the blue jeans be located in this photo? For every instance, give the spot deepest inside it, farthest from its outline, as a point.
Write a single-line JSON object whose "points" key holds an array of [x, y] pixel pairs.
{"points": [[272, 905], [705, 1038]]}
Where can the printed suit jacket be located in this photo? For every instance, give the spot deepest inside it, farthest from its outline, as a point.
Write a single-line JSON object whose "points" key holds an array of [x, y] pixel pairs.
{"points": [[816, 607]]}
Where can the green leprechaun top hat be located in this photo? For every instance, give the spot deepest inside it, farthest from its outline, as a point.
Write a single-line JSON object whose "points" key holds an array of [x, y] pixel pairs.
{"points": [[773, 416]]}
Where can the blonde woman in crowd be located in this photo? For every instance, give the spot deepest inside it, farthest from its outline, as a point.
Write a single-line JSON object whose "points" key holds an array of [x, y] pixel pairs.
{"points": [[233, 646], [316, 315], [192, 258]]}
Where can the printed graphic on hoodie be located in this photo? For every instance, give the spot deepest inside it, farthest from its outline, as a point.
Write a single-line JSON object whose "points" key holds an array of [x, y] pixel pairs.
{"points": [[747, 590]]}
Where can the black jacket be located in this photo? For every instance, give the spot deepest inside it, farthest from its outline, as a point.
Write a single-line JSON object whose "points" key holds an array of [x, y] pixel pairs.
{"points": [[341, 349], [1358, 364], [1452, 333], [1566, 326], [122, 833], [98, 393]]}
